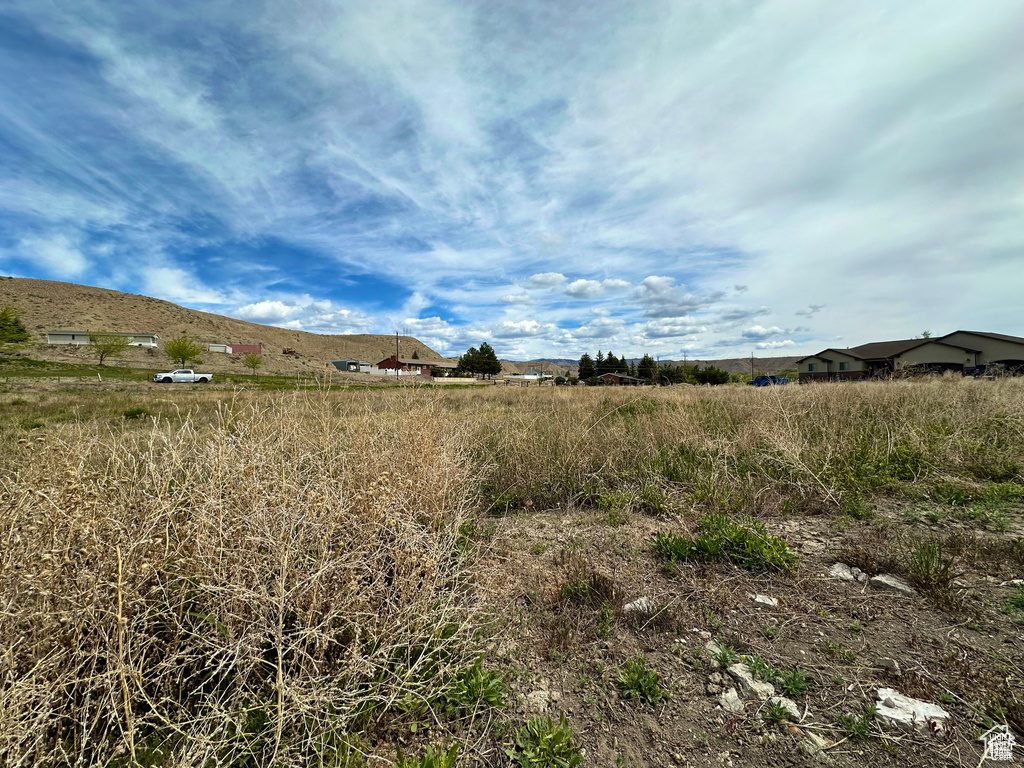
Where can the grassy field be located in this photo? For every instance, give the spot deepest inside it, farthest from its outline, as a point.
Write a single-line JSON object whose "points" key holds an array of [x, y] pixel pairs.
{"points": [[194, 577]]}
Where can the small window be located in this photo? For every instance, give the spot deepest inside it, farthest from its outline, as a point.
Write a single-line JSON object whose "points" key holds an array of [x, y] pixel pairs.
{"points": [[844, 366], [812, 367]]}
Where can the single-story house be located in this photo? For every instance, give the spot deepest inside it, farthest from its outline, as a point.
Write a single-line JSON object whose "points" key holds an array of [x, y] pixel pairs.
{"points": [[238, 349], [953, 352], [81, 338], [413, 365], [621, 380], [352, 366]]}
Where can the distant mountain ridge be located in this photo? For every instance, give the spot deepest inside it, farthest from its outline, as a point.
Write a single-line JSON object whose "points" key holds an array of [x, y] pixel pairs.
{"points": [[47, 305]]}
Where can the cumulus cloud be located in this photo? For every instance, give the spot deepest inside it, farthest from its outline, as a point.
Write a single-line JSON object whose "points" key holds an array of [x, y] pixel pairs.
{"points": [[661, 297], [760, 332], [267, 312], [775, 344]]}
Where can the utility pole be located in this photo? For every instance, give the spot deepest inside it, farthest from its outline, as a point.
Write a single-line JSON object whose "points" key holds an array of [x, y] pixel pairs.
{"points": [[751, 365], [396, 356]]}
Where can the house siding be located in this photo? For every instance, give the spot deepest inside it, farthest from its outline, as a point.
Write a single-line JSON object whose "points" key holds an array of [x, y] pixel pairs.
{"points": [[991, 350], [934, 354]]}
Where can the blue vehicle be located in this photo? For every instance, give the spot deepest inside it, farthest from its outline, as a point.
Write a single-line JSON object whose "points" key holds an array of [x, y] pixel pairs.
{"points": [[767, 381]]}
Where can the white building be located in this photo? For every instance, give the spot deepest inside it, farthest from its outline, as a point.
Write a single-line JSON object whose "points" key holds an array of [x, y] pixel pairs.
{"points": [[81, 338]]}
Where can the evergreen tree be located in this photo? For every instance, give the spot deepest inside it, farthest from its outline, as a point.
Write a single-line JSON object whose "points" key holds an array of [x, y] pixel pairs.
{"points": [[587, 369], [632, 369], [489, 364], [611, 363], [711, 375], [469, 362], [648, 369], [12, 330], [415, 355]]}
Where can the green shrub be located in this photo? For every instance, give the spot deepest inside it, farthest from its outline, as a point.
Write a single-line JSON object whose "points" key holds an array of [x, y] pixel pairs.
{"points": [[604, 620], [1014, 602], [543, 743], [636, 681], [135, 413], [745, 543], [774, 712], [762, 668], [431, 758]]}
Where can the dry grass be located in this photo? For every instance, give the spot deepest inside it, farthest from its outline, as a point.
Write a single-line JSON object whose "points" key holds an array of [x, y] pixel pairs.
{"points": [[253, 590], [259, 580]]}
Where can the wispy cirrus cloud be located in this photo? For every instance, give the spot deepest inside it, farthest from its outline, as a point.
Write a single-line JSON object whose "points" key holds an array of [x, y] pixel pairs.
{"points": [[550, 178]]}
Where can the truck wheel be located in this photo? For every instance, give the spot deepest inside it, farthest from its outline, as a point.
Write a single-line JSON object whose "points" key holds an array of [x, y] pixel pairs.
{"points": [[204, 380], [165, 380]]}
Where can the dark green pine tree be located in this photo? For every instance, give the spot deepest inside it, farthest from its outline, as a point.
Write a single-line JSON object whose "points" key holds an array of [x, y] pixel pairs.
{"points": [[469, 362], [587, 369], [12, 330], [647, 369], [489, 364]]}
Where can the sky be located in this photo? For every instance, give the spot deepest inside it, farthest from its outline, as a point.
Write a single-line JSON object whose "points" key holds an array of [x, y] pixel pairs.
{"points": [[701, 178]]}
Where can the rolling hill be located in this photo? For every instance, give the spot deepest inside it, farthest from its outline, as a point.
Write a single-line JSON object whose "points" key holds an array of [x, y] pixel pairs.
{"points": [[46, 305]]}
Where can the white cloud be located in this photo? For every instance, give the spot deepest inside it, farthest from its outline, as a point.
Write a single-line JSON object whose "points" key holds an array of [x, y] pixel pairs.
{"points": [[268, 312], [545, 280], [57, 254], [760, 332], [775, 344], [584, 289]]}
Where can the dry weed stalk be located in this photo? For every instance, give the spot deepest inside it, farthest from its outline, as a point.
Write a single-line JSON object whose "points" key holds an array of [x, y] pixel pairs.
{"points": [[256, 589]]}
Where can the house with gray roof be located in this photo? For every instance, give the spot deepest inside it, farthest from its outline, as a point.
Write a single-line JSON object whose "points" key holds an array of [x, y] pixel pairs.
{"points": [[955, 351]]}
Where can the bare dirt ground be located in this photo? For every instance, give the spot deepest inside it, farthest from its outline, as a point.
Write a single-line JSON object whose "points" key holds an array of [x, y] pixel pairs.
{"points": [[836, 631]]}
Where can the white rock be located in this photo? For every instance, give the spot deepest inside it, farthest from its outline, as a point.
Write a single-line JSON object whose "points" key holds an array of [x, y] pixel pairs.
{"points": [[641, 605], [887, 581], [907, 713], [731, 702], [770, 602], [789, 705], [842, 572], [748, 685]]}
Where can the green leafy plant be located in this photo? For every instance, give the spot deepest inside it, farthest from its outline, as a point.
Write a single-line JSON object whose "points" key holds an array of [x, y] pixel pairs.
{"points": [[475, 688], [794, 681], [725, 655], [774, 712], [544, 743], [637, 681], [1014, 602], [745, 543], [135, 413], [604, 620], [857, 726], [762, 668], [439, 758]]}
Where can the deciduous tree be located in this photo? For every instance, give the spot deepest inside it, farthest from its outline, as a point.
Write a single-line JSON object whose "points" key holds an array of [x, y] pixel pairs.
{"points": [[109, 345], [184, 350], [252, 361]]}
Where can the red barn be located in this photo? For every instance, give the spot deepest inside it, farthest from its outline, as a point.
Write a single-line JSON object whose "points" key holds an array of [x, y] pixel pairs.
{"points": [[246, 349]]}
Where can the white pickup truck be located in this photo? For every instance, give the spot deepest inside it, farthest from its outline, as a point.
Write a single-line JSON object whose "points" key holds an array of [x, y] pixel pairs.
{"points": [[182, 376]]}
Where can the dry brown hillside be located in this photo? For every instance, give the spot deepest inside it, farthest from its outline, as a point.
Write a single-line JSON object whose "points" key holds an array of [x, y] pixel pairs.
{"points": [[46, 305]]}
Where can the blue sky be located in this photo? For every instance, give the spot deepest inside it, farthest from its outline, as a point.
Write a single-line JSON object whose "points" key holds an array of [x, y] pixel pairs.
{"points": [[711, 177]]}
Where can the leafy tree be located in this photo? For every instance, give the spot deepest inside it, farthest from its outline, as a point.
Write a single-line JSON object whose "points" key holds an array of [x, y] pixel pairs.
{"points": [[438, 372], [252, 361], [184, 350], [711, 375], [926, 334], [489, 364], [647, 369], [106, 345], [12, 330], [587, 369]]}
